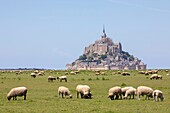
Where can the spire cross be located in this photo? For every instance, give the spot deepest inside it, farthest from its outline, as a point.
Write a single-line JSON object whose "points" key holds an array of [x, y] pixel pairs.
{"points": [[104, 32]]}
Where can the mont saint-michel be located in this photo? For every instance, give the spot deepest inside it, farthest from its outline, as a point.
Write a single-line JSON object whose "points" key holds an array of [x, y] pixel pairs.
{"points": [[105, 54]]}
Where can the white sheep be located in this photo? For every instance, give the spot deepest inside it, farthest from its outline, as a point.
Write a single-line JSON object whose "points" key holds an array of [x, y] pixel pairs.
{"points": [[157, 94], [144, 90], [62, 78], [64, 91], [154, 76], [159, 77], [51, 78], [129, 92], [18, 91], [33, 75], [125, 89], [84, 91], [115, 91]]}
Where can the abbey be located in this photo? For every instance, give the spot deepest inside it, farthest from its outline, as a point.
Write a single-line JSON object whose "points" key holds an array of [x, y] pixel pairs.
{"points": [[104, 54]]}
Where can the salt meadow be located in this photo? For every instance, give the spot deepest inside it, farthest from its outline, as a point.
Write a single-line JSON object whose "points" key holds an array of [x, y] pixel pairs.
{"points": [[42, 96]]}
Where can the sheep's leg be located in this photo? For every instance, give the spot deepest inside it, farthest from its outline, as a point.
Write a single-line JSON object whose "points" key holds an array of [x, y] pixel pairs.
{"points": [[156, 98], [77, 94], [133, 96], [138, 97], [81, 95], [25, 97], [62, 95], [58, 95]]}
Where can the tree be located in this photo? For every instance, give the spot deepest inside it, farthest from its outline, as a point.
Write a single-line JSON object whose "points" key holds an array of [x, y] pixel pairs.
{"points": [[83, 57], [103, 57]]}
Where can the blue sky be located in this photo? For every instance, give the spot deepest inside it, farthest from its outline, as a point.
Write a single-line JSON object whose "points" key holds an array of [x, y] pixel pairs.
{"points": [[52, 33]]}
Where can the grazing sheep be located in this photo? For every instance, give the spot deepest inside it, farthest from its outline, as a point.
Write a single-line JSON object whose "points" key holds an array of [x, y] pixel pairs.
{"points": [[64, 91], [18, 91], [129, 92], [157, 94], [33, 75], [51, 78], [41, 73], [61, 78], [73, 73], [115, 91], [125, 73], [84, 91], [66, 73], [154, 76], [103, 73], [97, 73], [125, 89], [159, 77], [144, 90]]}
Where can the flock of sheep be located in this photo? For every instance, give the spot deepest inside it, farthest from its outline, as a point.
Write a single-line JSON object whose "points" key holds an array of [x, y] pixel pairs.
{"points": [[85, 92], [117, 92]]}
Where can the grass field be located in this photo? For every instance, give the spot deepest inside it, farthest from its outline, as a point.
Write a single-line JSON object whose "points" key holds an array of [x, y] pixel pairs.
{"points": [[42, 96]]}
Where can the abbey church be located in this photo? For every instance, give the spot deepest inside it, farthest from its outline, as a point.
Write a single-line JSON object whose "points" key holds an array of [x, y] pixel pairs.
{"points": [[105, 54]]}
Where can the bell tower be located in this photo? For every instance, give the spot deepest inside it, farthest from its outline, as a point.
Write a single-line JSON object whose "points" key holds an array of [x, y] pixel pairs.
{"points": [[104, 33]]}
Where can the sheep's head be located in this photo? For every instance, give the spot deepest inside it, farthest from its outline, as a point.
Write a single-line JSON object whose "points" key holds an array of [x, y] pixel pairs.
{"points": [[162, 98], [9, 97], [70, 96]]}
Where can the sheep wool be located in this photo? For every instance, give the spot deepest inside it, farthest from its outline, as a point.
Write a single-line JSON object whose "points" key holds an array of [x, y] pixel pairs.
{"points": [[157, 94], [64, 91], [115, 91], [144, 90], [18, 91]]}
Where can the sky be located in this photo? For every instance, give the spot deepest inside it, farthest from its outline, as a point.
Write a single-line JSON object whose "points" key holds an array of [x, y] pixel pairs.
{"points": [[52, 33]]}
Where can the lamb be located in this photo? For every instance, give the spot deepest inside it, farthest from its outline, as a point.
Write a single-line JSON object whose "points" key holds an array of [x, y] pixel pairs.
{"points": [[115, 91], [51, 78], [18, 91], [64, 91], [62, 78], [154, 76], [129, 92], [157, 94], [144, 90], [84, 91], [125, 89]]}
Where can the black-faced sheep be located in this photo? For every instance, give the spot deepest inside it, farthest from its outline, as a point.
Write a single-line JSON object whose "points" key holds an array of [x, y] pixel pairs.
{"points": [[159, 77], [125, 89], [33, 75], [157, 94], [84, 91], [51, 78], [115, 91], [144, 90], [18, 91], [154, 76], [61, 78], [64, 91], [129, 92]]}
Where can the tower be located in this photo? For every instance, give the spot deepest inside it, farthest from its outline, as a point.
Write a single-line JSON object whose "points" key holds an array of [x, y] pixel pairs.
{"points": [[104, 33]]}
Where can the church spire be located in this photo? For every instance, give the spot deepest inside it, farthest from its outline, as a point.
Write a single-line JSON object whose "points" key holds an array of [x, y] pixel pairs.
{"points": [[104, 33]]}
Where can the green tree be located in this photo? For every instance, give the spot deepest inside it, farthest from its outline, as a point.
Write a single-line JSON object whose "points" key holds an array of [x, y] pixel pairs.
{"points": [[83, 57], [103, 57]]}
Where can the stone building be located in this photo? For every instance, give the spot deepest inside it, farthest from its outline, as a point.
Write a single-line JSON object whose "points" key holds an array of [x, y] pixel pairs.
{"points": [[105, 54]]}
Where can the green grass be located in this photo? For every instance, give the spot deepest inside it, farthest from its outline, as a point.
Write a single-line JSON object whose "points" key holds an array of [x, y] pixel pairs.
{"points": [[42, 96]]}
